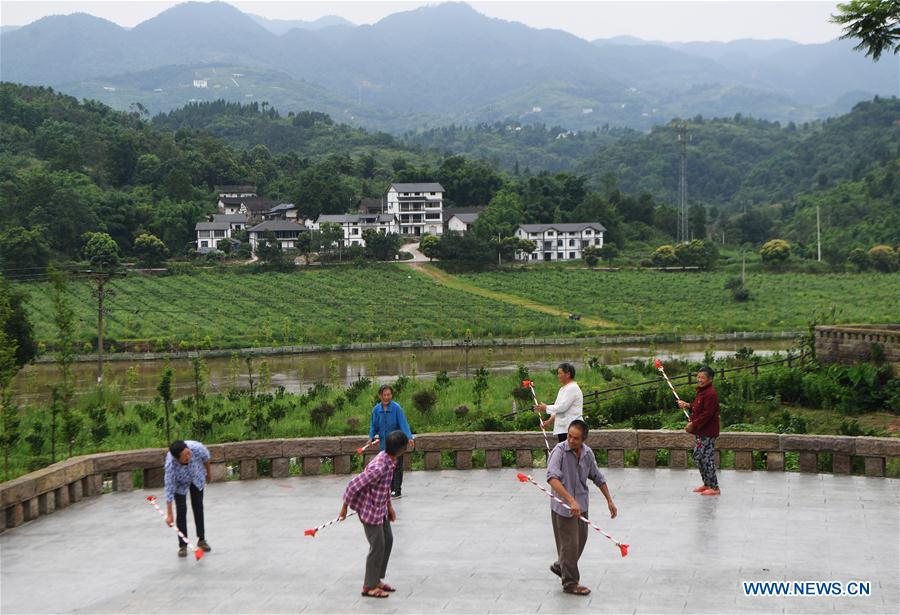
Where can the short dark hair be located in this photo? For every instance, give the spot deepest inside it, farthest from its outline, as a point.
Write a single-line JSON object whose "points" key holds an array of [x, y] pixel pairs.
{"points": [[177, 447], [580, 425], [568, 368], [708, 371], [396, 442], [385, 386]]}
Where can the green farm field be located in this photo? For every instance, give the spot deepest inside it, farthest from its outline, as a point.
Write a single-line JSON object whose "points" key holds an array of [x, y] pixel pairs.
{"points": [[330, 306], [396, 302], [697, 302]]}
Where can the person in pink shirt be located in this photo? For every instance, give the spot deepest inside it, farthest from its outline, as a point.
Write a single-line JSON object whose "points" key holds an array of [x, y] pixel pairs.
{"points": [[369, 494]]}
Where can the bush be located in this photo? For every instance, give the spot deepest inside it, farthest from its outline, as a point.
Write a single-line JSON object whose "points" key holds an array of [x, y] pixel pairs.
{"points": [[320, 415], [424, 400], [775, 253], [646, 421], [357, 388], [442, 381], [664, 256], [461, 411], [883, 258]]}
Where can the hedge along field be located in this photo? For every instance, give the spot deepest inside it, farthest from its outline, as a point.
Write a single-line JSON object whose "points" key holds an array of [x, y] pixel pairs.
{"points": [[330, 306], [697, 302]]}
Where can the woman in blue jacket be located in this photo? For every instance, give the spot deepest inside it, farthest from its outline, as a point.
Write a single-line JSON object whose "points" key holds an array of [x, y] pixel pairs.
{"points": [[388, 416]]}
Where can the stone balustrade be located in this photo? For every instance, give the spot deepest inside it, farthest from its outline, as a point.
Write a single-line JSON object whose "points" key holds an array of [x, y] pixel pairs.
{"points": [[56, 486]]}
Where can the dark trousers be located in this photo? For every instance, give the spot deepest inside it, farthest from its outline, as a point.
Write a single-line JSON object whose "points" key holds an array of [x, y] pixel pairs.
{"points": [[181, 513], [705, 456], [397, 479], [381, 540], [562, 437], [571, 535]]}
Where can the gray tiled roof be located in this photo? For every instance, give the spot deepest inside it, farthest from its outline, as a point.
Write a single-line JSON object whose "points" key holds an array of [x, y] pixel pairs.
{"points": [[230, 218], [424, 187], [463, 217], [355, 218], [277, 225], [212, 226], [567, 227]]}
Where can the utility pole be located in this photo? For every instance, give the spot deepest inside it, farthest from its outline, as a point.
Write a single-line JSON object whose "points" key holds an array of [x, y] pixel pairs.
{"points": [[682, 185], [499, 251], [818, 235]]}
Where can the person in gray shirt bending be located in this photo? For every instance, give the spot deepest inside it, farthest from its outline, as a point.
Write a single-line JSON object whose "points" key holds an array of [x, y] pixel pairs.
{"points": [[570, 465]]}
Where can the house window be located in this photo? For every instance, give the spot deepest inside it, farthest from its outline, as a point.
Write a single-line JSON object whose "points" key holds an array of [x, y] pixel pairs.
{"points": [[354, 231], [559, 243], [549, 233], [534, 257], [203, 233], [588, 232], [571, 243], [219, 234], [204, 244]]}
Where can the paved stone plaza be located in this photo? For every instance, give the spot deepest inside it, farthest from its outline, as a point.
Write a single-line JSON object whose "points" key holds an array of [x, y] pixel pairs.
{"points": [[469, 542]]}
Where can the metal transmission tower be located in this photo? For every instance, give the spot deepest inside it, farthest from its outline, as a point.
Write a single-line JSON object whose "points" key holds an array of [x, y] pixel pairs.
{"points": [[683, 232]]}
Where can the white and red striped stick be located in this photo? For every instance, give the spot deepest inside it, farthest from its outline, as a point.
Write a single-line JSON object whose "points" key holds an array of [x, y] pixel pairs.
{"points": [[368, 444], [198, 552], [662, 371], [524, 478], [528, 384], [312, 531]]}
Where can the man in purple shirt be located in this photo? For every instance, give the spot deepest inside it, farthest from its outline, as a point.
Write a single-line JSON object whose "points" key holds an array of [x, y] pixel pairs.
{"points": [[369, 494], [570, 465]]}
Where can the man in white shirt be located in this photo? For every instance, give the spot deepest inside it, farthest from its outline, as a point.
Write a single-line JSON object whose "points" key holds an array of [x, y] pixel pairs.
{"points": [[569, 403]]}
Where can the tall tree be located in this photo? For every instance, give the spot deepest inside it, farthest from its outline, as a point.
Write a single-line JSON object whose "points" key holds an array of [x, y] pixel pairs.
{"points": [[875, 23]]}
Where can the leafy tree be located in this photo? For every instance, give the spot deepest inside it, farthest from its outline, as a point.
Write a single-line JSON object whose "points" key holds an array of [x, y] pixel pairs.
{"points": [[775, 253], [883, 258], [591, 255], [664, 256], [268, 248], [875, 23], [381, 246], [9, 425], [859, 258], [480, 386], [101, 251], [429, 246], [609, 251], [165, 389], [24, 251], [150, 250]]}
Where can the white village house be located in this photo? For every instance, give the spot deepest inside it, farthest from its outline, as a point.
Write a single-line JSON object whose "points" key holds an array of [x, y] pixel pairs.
{"points": [[354, 225], [460, 220], [286, 233], [556, 242], [216, 228], [419, 208]]}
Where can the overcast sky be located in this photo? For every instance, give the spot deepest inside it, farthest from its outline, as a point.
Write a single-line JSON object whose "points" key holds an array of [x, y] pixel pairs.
{"points": [[666, 20]]}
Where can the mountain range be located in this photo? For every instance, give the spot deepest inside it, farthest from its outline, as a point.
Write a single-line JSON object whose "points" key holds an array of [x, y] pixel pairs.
{"points": [[433, 66]]}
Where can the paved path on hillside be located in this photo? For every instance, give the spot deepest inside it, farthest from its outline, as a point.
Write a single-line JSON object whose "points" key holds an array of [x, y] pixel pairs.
{"points": [[473, 541], [455, 283]]}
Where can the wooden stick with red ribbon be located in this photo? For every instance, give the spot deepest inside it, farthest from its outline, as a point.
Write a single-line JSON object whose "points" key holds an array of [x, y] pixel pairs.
{"points": [[662, 371], [198, 552], [529, 384], [312, 531], [368, 444], [524, 478]]}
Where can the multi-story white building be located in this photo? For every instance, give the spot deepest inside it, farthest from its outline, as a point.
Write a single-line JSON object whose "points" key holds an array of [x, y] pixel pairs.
{"points": [[418, 207], [216, 228], [354, 225], [286, 233], [556, 242]]}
